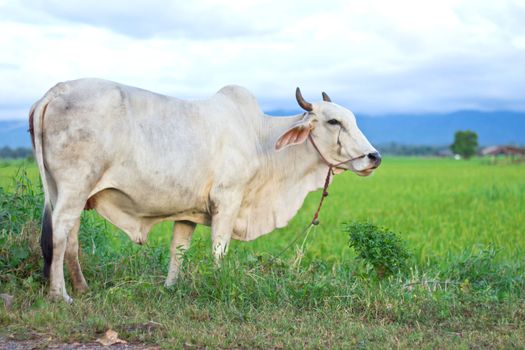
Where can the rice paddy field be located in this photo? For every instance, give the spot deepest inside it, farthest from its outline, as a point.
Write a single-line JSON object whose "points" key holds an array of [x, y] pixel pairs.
{"points": [[461, 221]]}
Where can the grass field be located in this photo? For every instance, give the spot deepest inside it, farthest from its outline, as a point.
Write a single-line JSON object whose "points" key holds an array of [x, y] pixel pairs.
{"points": [[462, 222]]}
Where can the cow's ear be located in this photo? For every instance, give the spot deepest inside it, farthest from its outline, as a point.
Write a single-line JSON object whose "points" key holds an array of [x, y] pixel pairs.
{"points": [[294, 136]]}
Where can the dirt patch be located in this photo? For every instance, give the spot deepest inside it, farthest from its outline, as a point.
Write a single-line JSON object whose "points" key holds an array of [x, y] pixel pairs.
{"points": [[12, 344]]}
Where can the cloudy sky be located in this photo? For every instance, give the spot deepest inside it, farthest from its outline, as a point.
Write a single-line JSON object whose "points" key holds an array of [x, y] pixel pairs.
{"points": [[375, 57]]}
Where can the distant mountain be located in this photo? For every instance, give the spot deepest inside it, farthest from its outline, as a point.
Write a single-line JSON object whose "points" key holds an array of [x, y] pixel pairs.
{"points": [[13, 133], [493, 128]]}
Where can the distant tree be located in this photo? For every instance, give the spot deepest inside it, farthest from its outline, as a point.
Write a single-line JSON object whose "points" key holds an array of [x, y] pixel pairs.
{"points": [[465, 143]]}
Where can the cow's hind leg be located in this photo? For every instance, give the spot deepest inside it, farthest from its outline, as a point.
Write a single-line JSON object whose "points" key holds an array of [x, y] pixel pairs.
{"points": [[182, 231], [66, 215], [72, 263]]}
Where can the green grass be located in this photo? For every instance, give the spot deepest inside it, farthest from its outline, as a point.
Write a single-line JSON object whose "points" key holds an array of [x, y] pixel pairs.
{"points": [[465, 286], [9, 169]]}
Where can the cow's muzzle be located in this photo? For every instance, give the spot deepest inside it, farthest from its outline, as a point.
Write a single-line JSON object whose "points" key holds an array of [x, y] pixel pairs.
{"points": [[375, 159]]}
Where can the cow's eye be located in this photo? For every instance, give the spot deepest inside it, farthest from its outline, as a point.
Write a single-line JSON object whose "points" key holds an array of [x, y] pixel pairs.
{"points": [[334, 122]]}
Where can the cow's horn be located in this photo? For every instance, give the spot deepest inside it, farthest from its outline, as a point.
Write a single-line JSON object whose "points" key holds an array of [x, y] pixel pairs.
{"points": [[307, 106], [326, 98]]}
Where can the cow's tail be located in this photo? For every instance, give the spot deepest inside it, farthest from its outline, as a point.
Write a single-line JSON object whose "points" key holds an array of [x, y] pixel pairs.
{"points": [[36, 128]]}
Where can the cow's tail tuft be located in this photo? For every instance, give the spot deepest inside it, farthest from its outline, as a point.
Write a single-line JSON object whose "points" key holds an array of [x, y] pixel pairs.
{"points": [[36, 128], [46, 239]]}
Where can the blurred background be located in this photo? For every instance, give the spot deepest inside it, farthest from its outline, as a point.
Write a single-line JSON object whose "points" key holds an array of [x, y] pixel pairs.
{"points": [[413, 72]]}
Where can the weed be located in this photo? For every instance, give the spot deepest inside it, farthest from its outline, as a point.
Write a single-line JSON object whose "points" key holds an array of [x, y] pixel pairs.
{"points": [[378, 247], [478, 268]]}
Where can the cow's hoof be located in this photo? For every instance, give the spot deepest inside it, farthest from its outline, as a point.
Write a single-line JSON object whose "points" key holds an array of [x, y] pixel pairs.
{"points": [[81, 288], [170, 284], [60, 297]]}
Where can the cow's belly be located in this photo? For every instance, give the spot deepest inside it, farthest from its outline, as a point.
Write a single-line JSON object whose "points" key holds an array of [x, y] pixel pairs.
{"points": [[135, 212]]}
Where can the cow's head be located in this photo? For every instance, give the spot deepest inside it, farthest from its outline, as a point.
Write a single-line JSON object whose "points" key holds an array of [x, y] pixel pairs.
{"points": [[334, 130]]}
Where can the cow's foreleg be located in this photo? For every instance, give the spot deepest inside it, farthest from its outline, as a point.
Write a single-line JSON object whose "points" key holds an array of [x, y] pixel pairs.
{"points": [[182, 231], [222, 225], [72, 263]]}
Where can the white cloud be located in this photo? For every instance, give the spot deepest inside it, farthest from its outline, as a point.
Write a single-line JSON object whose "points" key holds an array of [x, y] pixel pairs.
{"points": [[374, 57]]}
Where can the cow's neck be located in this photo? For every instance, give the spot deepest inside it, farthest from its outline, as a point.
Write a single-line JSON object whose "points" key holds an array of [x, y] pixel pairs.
{"points": [[282, 182], [294, 161]]}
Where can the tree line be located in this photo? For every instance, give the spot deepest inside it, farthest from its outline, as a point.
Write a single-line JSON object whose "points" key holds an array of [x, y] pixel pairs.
{"points": [[396, 149], [15, 153]]}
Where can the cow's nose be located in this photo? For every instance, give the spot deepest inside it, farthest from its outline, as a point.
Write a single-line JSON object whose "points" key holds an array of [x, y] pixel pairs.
{"points": [[375, 157]]}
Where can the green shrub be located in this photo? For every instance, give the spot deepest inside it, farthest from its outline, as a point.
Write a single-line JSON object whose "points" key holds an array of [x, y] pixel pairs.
{"points": [[378, 247]]}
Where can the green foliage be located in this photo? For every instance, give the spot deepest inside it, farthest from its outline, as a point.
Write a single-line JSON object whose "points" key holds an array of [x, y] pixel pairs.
{"points": [[378, 247], [465, 143], [479, 269], [19, 214], [20, 205]]}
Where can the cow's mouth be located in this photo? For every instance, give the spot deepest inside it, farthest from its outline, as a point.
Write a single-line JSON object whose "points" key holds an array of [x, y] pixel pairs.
{"points": [[365, 172]]}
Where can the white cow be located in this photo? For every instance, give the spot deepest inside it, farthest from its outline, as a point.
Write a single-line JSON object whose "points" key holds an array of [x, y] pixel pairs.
{"points": [[139, 158]]}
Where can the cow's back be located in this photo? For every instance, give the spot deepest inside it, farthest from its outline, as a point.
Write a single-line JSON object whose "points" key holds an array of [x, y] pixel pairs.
{"points": [[90, 116], [153, 122]]}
